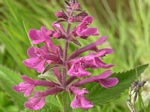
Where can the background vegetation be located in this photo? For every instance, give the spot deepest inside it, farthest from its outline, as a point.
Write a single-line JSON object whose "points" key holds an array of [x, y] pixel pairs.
{"points": [[125, 22]]}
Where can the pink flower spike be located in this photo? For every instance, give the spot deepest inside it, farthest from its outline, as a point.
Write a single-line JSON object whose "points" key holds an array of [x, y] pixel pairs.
{"points": [[80, 101], [35, 103]]}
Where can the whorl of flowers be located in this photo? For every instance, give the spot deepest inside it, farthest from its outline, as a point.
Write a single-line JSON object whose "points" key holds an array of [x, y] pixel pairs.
{"points": [[55, 58]]}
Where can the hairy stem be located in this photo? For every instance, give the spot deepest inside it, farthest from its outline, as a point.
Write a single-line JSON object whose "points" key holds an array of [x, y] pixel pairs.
{"points": [[65, 63], [65, 57]]}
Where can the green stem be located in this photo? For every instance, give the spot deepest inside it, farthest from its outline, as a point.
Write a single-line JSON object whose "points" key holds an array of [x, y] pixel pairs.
{"points": [[64, 72]]}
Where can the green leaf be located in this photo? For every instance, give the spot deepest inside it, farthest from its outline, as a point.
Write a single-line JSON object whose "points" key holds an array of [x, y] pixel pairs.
{"points": [[8, 79], [46, 108], [99, 95]]}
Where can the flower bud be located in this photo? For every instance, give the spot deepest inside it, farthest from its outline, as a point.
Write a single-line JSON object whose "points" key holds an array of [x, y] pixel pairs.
{"points": [[76, 6], [59, 14], [57, 35]]}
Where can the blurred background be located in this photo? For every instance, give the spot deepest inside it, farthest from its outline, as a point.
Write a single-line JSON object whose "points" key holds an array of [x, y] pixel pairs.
{"points": [[126, 23]]}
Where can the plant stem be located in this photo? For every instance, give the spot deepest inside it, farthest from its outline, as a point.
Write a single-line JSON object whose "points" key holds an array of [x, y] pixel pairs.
{"points": [[65, 57]]}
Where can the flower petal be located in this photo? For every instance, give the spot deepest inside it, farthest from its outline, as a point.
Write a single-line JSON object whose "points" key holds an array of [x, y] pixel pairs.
{"points": [[78, 71], [26, 88], [31, 52], [36, 36], [35, 63], [106, 83], [88, 32], [35, 103]]}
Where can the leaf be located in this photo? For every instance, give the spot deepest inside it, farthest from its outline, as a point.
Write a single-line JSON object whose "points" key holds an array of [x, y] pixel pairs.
{"points": [[99, 95], [46, 108], [8, 79]]}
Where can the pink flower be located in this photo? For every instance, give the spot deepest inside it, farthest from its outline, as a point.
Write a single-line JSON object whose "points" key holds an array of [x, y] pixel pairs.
{"points": [[24, 87], [61, 14], [38, 101], [92, 46], [80, 101], [58, 28], [35, 103], [103, 79], [94, 61], [28, 85], [38, 57], [38, 36], [78, 70], [57, 58], [83, 31]]}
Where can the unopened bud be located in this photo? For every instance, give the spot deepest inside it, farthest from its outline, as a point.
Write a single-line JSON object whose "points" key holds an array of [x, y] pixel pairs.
{"points": [[57, 35], [59, 14], [71, 20], [76, 6]]}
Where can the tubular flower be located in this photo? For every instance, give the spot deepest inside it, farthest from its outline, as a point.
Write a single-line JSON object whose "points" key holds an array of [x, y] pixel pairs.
{"points": [[55, 62], [80, 101], [28, 85], [35, 103], [38, 57], [103, 79], [83, 31]]}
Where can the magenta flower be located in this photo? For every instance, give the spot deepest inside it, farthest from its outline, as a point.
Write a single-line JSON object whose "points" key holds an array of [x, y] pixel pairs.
{"points": [[94, 61], [103, 79], [38, 36], [25, 87], [83, 31], [38, 101], [78, 70], [28, 85], [35, 103], [80, 101], [56, 59], [61, 14], [92, 46], [38, 58]]}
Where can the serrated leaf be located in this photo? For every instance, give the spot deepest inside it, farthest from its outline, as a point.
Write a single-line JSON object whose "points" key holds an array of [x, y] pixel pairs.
{"points": [[99, 95], [8, 79], [46, 108]]}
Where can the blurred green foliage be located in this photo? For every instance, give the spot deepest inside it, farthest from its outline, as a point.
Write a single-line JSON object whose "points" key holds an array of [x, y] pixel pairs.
{"points": [[125, 22]]}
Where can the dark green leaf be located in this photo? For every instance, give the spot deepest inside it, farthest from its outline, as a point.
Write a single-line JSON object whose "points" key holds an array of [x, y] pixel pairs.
{"points": [[99, 95]]}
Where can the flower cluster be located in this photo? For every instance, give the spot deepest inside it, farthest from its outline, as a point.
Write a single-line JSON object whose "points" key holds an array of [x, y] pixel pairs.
{"points": [[70, 70]]}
